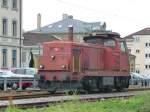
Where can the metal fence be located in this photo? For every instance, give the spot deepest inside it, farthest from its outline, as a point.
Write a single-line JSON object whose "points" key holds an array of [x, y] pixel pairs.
{"points": [[6, 82]]}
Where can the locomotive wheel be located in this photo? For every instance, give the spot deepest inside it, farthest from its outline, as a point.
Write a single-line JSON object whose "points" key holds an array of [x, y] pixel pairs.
{"points": [[100, 85], [119, 89], [52, 91], [72, 92], [90, 84], [87, 85], [108, 89]]}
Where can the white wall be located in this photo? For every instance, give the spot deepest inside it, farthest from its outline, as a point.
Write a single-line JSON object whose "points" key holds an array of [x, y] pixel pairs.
{"points": [[141, 60]]}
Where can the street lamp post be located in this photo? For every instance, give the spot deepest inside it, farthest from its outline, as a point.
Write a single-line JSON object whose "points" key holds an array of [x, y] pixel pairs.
{"points": [[20, 32]]}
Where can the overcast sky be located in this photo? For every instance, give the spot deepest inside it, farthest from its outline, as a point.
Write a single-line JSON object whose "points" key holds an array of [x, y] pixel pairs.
{"points": [[122, 16]]}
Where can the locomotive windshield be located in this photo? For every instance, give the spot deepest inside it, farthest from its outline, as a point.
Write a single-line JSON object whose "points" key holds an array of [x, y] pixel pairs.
{"points": [[103, 41]]}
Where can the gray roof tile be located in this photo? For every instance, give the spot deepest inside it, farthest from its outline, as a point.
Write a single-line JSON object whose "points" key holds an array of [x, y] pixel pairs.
{"points": [[145, 31], [79, 26]]}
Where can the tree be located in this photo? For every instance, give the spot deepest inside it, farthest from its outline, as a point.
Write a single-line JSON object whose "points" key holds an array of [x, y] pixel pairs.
{"points": [[31, 63]]}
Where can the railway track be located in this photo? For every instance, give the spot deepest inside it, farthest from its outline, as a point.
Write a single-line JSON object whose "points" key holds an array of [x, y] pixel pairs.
{"points": [[10, 95], [26, 94], [27, 99], [32, 102]]}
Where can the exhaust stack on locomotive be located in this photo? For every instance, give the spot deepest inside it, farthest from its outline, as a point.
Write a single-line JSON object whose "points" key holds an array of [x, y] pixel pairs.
{"points": [[70, 33]]}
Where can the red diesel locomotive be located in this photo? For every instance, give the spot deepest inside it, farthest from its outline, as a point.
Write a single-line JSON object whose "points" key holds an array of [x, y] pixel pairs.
{"points": [[101, 63]]}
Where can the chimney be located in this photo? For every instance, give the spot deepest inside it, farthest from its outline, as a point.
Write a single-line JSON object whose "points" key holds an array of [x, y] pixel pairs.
{"points": [[65, 16], [39, 21], [70, 33]]}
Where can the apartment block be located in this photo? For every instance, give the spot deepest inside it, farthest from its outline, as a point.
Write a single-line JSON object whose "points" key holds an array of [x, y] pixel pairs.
{"points": [[10, 33], [139, 45]]}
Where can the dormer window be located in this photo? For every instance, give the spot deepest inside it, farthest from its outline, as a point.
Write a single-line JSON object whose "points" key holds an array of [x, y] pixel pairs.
{"points": [[50, 26], [59, 26]]}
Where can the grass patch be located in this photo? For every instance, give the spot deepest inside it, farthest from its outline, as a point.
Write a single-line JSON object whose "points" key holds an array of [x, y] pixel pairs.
{"points": [[138, 103]]}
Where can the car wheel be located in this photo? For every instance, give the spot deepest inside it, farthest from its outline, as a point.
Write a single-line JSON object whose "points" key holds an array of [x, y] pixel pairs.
{"points": [[24, 88]]}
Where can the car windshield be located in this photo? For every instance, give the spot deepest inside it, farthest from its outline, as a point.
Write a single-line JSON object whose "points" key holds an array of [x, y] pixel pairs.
{"points": [[1, 73], [24, 71], [5, 73], [30, 71]]}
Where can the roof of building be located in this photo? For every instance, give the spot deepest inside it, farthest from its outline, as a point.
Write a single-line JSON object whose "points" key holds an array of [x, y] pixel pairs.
{"points": [[145, 31], [31, 39], [78, 26]]}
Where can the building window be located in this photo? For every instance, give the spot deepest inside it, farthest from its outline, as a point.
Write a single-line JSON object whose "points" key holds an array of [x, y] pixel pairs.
{"points": [[136, 38], [4, 26], [146, 44], [4, 56], [137, 51], [14, 58], [146, 55], [14, 4], [147, 66], [4, 3], [137, 71], [14, 28]]}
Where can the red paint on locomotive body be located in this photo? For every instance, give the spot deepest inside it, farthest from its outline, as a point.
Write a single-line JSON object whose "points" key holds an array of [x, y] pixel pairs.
{"points": [[83, 59], [105, 58]]}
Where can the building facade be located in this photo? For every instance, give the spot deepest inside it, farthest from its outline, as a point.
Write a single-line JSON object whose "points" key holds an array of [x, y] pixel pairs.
{"points": [[139, 45], [33, 43], [60, 28], [10, 33]]}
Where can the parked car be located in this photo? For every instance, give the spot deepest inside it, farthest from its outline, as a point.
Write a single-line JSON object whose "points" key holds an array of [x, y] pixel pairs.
{"points": [[14, 83], [25, 72], [6, 73], [142, 79]]}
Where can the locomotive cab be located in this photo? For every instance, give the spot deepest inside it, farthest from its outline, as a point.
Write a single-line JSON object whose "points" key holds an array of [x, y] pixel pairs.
{"points": [[107, 39], [115, 50], [115, 59]]}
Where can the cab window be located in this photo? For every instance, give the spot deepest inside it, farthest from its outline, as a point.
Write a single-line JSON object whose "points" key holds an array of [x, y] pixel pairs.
{"points": [[109, 42], [30, 71], [122, 46]]}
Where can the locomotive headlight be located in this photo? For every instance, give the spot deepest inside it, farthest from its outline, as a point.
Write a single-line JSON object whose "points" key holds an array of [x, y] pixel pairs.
{"points": [[63, 66], [53, 57], [41, 66]]}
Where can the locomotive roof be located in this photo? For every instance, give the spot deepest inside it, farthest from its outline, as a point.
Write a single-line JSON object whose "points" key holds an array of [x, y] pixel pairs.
{"points": [[103, 35]]}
